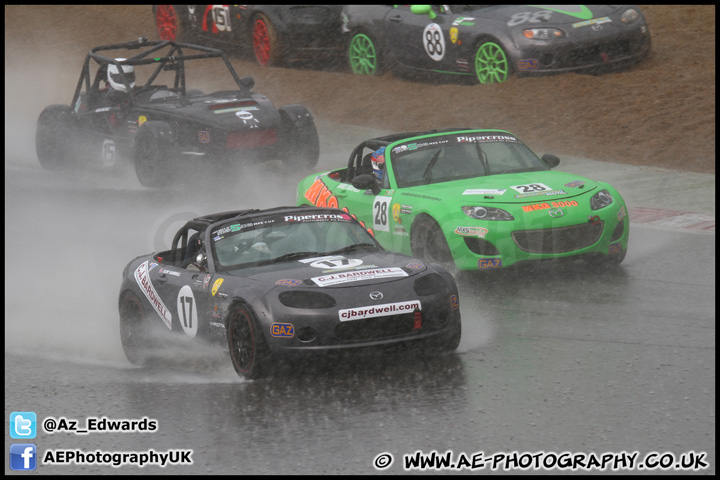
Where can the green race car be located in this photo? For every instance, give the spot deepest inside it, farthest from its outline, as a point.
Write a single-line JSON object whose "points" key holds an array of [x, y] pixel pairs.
{"points": [[479, 198]]}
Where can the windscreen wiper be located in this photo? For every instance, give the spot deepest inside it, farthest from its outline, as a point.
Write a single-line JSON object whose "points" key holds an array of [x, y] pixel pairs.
{"points": [[355, 246], [290, 256]]}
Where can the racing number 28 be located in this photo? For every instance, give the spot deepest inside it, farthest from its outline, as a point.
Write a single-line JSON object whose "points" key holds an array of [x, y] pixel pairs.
{"points": [[381, 206], [532, 187], [381, 213]]}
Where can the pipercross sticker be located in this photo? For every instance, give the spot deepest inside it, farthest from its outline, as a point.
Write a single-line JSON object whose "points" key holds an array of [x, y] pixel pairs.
{"points": [[143, 281]]}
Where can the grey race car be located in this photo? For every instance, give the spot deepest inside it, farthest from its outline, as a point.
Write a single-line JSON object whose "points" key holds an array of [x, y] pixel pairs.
{"points": [[492, 42], [282, 283]]}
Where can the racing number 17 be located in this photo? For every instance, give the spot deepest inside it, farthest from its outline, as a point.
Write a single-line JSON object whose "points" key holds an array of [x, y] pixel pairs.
{"points": [[187, 311]]}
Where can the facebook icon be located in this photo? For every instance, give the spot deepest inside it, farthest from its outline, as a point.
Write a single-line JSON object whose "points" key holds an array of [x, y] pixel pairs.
{"points": [[23, 456]]}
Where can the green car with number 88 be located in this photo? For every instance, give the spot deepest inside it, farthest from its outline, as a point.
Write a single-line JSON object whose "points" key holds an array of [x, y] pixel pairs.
{"points": [[478, 199]]}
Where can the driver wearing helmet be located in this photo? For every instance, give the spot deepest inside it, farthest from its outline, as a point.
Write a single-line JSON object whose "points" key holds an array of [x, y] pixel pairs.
{"points": [[116, 94], [115, 78], [377, 159]]}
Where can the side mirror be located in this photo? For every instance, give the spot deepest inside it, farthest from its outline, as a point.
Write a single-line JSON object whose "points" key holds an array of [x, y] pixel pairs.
{"points": [[424, 10], [201, 259], [550, 160], [247, 82], [366, 181]]}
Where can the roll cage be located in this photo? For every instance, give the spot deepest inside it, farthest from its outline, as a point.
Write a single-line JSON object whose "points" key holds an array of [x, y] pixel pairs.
{"points": [[205, 224], [179, 247], [173, 58]]}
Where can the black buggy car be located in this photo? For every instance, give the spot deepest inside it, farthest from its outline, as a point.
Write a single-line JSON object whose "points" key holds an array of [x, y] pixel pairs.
{"points": [[284, 283], [161, 125]]}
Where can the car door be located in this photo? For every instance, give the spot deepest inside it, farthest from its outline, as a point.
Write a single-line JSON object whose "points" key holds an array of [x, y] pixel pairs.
{"points": [[370, 209], [185, 295], [417, 41], [183, 288]]}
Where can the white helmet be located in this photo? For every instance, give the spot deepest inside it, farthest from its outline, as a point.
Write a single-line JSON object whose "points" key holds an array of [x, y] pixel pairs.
{"points": [[115, 77]]}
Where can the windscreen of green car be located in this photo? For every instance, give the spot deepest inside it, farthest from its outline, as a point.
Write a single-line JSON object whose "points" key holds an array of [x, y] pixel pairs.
{"points": [[445, 158]]}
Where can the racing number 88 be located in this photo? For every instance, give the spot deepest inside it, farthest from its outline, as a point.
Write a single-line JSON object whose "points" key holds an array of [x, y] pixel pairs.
{"points": [[531, 17], [433, 42]]}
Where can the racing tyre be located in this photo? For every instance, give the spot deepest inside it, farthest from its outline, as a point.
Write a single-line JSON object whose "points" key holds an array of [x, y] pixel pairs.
{"points": [[170, 25], [491, 63], [248, 351], [364, 56], [152, 158], [428, 242], [301, 145], [134, 331], [265, 42], [52, 139]]}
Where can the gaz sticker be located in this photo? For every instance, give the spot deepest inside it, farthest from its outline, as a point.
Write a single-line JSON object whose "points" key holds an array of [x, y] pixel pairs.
{"points": [[283, 330], [486, 263]]}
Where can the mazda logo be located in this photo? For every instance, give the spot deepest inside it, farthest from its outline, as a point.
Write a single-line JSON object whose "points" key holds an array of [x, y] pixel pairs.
{"points": [[376, 295], [556, 212]]}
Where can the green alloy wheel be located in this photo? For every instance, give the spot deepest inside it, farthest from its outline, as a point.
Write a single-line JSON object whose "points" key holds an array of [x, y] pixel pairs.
{"points": [[364, 58], [491, 63]]}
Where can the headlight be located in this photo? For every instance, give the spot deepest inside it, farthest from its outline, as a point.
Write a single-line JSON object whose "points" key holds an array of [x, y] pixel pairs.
{"points": [[630, 16], [543, 33], [429, 284], [601, 200], [487, 213], [301, 299]]}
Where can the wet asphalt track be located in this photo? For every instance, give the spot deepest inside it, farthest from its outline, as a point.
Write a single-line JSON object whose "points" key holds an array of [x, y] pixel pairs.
{"points": [[554, 359]]}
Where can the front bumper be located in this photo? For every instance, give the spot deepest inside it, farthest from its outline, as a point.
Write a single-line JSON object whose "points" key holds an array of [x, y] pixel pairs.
{"points": [[613, 49], [536, 236], [297, 331]]}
